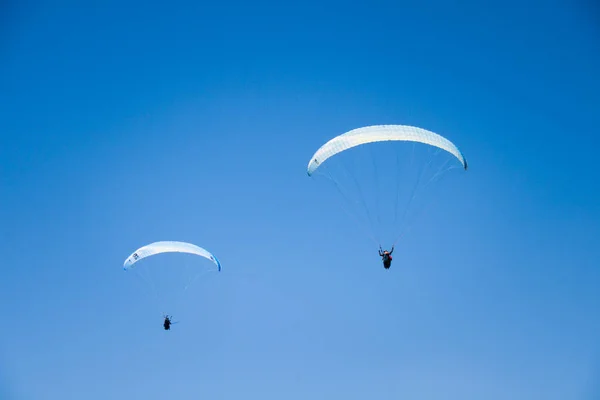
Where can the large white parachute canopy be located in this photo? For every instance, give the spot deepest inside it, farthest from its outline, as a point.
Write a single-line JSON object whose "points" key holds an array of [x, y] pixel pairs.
{"points": [[168, 269], [381, 133], [168, 247], [383, 172]]}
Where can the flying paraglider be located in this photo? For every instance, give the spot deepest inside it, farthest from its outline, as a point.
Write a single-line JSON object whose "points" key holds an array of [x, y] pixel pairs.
{"points": [[167, 323], [168, 247], [386, 257], [392, 139]]}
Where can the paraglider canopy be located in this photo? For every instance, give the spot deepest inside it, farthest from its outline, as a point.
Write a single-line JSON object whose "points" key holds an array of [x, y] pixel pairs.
{"points": [[386, 175], [381, 133], [168, 278], [168, 247]]}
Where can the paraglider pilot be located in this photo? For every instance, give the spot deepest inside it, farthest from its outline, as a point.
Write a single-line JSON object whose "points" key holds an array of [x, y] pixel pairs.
{"points": [[386, 256], [167, 323]]}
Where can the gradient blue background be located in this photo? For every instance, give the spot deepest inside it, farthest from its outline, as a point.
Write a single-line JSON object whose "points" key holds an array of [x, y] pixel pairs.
{"points": [[132, 122]]}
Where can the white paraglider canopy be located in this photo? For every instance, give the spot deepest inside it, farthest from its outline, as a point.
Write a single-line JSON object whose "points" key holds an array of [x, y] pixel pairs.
{"points": [[168, 247], [386, 175], [381, 133], [168, 269]]}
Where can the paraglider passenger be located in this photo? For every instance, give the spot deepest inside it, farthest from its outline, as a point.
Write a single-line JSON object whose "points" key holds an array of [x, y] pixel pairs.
{"points": [[386, 257], [167, 323]]}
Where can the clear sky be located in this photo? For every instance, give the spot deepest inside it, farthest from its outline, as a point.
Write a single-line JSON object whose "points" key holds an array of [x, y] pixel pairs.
{"points": [[134, 122]]}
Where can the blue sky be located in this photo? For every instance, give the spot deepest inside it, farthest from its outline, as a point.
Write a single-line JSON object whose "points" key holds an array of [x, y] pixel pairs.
{"points": [[133, 122]]}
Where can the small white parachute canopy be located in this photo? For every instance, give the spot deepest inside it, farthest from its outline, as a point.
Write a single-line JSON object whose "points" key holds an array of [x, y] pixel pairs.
{"points": [[381, 133], [168, 247]]}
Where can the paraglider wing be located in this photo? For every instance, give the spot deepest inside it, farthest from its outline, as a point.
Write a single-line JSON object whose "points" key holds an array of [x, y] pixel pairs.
{"points": [[381, 133], [168, 247]]}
